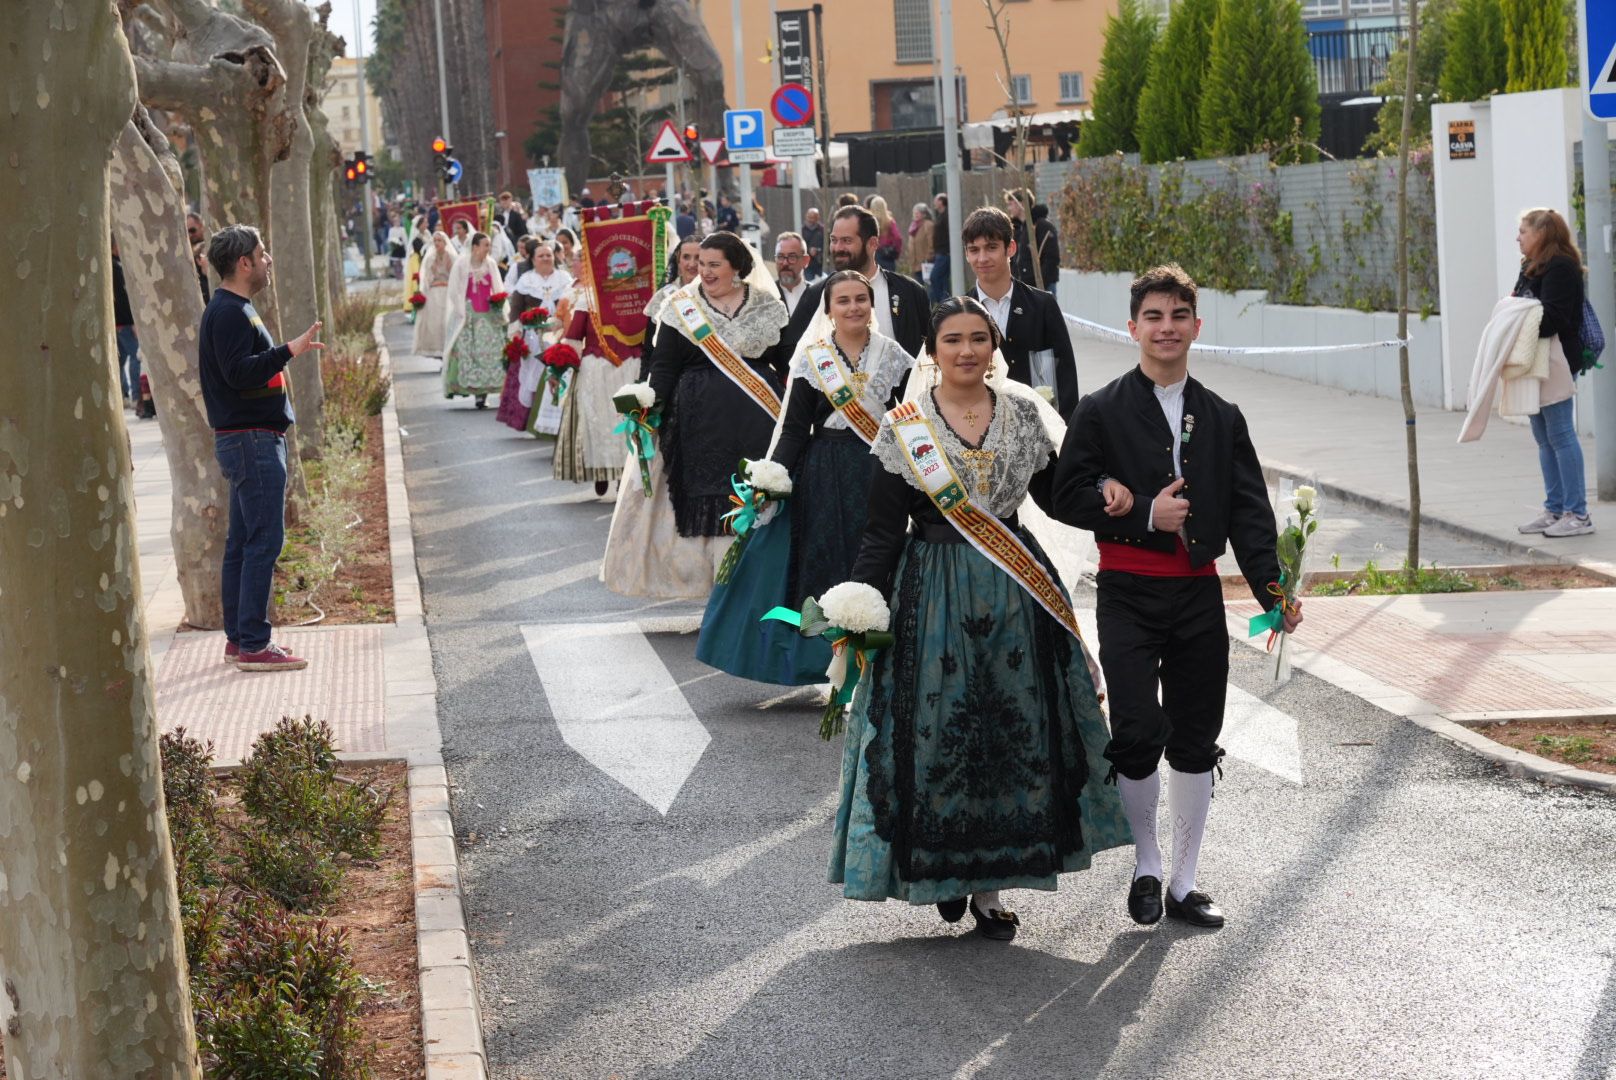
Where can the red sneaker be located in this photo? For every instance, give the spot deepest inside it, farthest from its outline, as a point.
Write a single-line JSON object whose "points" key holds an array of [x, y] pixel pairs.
{"points": [[231, 651], [272, 658]]}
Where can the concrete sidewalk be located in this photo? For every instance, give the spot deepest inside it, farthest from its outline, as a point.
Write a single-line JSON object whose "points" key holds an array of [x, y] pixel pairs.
{"points": [[1352, 445]]}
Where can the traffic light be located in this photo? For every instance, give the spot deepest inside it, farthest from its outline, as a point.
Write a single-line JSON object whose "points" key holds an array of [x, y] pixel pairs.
{"points": [[361, 167], [692, 134], [350, 171], [445, 155], [440, 146]]}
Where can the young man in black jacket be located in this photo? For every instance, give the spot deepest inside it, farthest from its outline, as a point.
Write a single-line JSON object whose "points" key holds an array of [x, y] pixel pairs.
{"points": [[244, 389], [1036, 345], [1163, 472]]}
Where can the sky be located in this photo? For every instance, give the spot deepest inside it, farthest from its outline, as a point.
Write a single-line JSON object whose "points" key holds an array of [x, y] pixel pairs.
{"points": [[342, 21]]}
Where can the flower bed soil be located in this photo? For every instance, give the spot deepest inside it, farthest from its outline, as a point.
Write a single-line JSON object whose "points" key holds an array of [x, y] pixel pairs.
{"points": [[362, 591], [377, 909], [1486, 579], [1584, 745]]}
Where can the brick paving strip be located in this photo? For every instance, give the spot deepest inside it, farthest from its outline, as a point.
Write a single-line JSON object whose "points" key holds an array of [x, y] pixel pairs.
{"points": [[373, 683], [1456, 663]]}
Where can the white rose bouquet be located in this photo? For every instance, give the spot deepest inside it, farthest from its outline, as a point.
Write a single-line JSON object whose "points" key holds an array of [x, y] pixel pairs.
{"points": [[1292, 553], [767, 483], [855, 618], [637, 404]]}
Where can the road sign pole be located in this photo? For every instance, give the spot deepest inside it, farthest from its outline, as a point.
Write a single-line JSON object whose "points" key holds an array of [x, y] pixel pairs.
{"points": [[740, 102], [1601, 294], [667, 190], [956, 256]]}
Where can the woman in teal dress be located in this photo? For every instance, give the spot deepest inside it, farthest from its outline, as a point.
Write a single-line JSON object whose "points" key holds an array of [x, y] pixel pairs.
{"points": [[810, 543], [973, 755]]}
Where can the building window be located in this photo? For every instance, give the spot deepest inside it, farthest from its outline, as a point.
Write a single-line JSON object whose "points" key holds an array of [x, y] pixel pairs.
{"points": [[1318, 9], [1071, 86], [1021, 89], [1372, 7], [913, 21]]}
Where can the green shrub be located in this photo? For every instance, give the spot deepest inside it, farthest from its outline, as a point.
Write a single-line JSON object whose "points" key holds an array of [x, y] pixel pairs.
{"points": [[356, 389], [1129, 35], [284, 1002], [295, 870], [189, 796], [354, 313], [290, 786]]}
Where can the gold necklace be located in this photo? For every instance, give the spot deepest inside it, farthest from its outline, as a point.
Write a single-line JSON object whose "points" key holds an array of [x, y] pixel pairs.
{"points": [[860, 379]]}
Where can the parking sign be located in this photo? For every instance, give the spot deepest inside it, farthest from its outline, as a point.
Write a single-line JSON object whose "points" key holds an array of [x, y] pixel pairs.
{"points": [[743, 130]]}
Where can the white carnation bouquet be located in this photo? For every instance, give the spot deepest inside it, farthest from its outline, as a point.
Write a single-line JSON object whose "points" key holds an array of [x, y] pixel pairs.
{"points": [[855, 618], [756, 499], [1291, 550], [637, 404]]}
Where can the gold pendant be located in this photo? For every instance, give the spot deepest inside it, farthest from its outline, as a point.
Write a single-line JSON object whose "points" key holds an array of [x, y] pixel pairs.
{"points": [[970, 416], [860, 381]]}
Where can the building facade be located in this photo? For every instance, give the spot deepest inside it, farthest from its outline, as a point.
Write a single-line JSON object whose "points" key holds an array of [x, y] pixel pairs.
{"points": [[881, 57], [342, 109], [524, 57]]}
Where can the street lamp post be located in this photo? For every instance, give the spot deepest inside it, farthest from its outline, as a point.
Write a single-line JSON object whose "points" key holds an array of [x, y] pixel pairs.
{"points": [[740, 103], [945, 31], [443, 85], [364, 129]]}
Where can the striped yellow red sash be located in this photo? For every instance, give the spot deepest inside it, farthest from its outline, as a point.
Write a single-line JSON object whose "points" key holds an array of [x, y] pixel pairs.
{"points": [[985, 532], [834, 383], [701, 331]]}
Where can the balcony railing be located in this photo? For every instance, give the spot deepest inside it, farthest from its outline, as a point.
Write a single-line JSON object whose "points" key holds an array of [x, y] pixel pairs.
{"points": [[1350, 62]]}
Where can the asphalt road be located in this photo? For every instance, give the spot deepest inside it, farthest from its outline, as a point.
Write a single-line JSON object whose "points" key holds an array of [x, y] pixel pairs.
{"points": [[1403, 911]]}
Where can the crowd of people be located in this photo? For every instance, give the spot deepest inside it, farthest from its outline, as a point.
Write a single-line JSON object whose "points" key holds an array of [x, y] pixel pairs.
{"points": [[820, 433]]}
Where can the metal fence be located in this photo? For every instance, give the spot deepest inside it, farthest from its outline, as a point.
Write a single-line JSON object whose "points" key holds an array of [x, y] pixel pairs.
{"points": [[1350, 62]]}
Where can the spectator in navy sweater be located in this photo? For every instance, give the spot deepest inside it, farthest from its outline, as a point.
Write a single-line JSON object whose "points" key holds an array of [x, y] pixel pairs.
{"points": [[244, 389]]}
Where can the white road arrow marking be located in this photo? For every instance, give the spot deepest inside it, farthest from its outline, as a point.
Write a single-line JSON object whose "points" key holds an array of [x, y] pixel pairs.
{"points": [[615, 703], [1255, 731]]}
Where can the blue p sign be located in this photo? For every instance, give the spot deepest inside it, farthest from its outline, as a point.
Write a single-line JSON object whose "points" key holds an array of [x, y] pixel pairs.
{"points": [[743, 129]]}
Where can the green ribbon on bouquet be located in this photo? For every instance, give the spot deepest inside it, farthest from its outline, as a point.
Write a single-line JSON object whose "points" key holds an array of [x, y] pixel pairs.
{"points": [[811, 622], [749, 503], [638, 428], [1272, 620]]}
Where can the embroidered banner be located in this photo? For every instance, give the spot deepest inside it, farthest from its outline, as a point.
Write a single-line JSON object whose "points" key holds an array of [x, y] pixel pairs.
{"points": [[992, 537], [737, 370], [620, 272], [841, 390], [470, 211]]}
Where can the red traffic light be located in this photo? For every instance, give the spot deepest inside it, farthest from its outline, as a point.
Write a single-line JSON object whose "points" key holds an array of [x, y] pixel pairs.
{"points": [[692, 133], [352, 174], [440, 145], [361, 167]]}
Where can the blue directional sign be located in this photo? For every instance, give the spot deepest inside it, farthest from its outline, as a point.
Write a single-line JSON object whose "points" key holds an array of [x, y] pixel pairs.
{"points": [[1598, 24], [743, 130], [456, 170]]}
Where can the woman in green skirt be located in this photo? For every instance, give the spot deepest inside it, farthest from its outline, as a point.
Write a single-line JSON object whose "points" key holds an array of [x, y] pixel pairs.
{"points": [[973, 755]]}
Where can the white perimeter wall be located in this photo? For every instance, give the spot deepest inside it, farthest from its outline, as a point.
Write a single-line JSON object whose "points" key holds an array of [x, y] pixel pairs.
{"points": [[1246, 318]]}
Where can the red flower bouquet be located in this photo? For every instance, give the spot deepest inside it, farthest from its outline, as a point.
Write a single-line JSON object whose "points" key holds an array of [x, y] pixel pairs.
{"points": [[558, 360], [516, 350], [418, 300], [535, 316], [498, 298]]}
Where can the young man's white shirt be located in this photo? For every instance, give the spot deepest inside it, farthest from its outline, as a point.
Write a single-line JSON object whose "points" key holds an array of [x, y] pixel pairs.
{"points": [[1000, 308]]}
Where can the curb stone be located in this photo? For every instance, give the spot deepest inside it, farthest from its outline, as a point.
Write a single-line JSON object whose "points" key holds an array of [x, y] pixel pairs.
{"points": [[1517, 763], [1272, 470], [451, 1016]]}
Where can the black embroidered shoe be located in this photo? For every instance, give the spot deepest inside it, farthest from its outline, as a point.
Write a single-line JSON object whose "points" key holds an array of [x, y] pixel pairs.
{"points": [[952, 910], [1145, 900], [996, 925], [1196, 908]]}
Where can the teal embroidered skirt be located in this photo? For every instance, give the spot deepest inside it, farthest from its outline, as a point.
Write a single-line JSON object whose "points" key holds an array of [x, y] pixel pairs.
{"points": [[974, 753]]}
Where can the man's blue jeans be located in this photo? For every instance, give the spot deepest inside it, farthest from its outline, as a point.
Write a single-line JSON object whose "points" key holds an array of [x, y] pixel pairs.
{"points": [[255, 464], [942, 284], [129, 363], [1559, 454]]}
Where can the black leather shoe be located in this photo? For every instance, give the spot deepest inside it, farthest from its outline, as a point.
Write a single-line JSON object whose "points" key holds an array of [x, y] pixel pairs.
{"points": [[952, 910], [997, 925], [1145, 900], [1196, 908]]}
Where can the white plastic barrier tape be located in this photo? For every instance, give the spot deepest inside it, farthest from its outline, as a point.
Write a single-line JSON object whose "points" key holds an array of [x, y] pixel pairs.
{"points": [[1122, 337]]}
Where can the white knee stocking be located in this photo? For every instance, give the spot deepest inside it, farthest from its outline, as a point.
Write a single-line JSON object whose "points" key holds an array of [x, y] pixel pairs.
{"points": [[1189, 796], [1139, 799]]}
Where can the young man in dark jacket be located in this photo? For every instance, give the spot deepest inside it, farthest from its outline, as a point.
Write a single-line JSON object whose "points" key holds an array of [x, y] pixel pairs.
{"points": [[1164, 474], [244, 389]]}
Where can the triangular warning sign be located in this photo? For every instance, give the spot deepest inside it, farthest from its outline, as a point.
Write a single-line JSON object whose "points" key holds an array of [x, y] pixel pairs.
{"points": [[667, 146], [712, 150]]}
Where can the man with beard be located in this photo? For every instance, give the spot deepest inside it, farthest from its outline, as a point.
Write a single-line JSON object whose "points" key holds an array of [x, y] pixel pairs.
{"points": [[902, 309], [790, 259]]}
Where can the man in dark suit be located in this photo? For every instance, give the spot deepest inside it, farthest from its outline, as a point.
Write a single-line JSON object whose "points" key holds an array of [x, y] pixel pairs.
{"points": [[1163, 471], [509, 217], [902, 309], [1037, 346]]}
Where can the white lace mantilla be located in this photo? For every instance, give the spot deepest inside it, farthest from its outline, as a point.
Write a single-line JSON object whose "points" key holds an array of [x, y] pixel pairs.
{"points": [[751, 333], [1016, 435], [884, 361]]}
